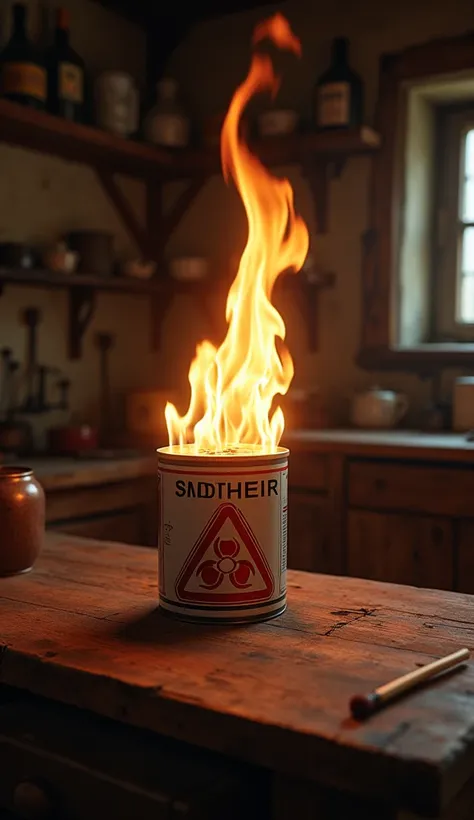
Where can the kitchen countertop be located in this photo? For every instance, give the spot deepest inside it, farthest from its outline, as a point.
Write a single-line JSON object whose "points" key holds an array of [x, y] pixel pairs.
{"points": [[83, 628], [384, 443], [56, 473], [67, 473]]}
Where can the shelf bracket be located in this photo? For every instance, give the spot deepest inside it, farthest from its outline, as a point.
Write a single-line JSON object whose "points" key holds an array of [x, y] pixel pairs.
{"points": [[319, 174], [120, 203], [314, 282], [159, 306], [81, 310], [308, 285], [171, 220], [154, 220]]}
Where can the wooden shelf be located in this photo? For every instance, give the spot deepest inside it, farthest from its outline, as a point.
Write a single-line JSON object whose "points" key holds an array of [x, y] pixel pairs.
{"points": [[321, 155], [161, 290], [82, 290], [39, 131], [49, 279], [294, 149]]}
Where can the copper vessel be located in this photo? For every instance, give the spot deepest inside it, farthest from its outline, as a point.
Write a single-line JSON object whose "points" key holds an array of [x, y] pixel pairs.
{"points": [[22, 514]]}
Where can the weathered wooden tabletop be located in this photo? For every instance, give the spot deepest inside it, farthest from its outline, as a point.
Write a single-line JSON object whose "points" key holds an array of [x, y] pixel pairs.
{"points": [[83, 628]]}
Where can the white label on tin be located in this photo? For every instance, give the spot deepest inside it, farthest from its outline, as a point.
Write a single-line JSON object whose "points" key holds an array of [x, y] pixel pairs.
{"points": [[284, 529], [222, 537]]}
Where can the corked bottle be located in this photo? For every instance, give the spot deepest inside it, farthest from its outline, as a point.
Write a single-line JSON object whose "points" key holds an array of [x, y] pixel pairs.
{"points": [[22, 516]]}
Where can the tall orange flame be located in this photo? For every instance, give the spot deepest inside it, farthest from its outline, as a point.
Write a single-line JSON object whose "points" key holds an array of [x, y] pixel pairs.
{"points": [[233, 387]]}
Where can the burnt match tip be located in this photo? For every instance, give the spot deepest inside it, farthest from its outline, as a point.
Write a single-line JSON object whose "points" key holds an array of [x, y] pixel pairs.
{"points": [[362, 706]]}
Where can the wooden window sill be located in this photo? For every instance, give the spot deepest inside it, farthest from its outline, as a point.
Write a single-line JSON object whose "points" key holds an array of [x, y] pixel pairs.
{"points": [[422, 357]]}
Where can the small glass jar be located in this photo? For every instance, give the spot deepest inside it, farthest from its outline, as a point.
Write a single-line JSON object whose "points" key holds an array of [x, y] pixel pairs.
{"points": [[22, 519]]}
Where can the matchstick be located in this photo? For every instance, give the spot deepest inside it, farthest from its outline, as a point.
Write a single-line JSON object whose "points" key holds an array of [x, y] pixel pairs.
{"points": [[362, 706]]}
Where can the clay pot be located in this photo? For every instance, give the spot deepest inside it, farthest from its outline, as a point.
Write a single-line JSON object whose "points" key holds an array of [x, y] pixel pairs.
{"points": [[22, 513]]}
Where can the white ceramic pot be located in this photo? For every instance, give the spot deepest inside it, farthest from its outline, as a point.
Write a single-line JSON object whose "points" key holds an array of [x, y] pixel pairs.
{"points": [[189, 268], [277, 121], [378, 409], [117, 103], [60, 259], [139, 268]]}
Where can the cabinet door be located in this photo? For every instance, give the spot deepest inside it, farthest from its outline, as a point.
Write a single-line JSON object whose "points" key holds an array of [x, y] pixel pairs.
{"points": [[308, 533], [125, 511], [126, 527], [465, 567], [402, 549]]}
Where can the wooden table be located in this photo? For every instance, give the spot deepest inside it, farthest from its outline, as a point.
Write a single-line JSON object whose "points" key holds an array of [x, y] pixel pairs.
{"points": [[82, 629]]}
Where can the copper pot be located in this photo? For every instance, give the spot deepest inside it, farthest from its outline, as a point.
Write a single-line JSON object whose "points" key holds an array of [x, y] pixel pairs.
{"points": [[22, 515]]}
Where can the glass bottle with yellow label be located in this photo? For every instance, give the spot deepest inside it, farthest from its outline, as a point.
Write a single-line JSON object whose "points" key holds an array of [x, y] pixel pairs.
{"points": [[339, 91], [65, 74], [22, 69]]}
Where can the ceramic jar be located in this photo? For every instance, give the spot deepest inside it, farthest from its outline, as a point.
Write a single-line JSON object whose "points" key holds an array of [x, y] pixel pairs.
{"points": [[167, 123], [378, 409], [117, 103], [60, 259], [275, 122], [22, 517]]}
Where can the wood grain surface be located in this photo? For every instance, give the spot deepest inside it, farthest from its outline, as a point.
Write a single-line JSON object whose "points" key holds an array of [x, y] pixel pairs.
{"points": [[83, 629]]}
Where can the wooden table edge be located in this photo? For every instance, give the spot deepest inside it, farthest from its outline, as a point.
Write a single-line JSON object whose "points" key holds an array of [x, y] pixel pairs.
{"points": [[197, 725]]}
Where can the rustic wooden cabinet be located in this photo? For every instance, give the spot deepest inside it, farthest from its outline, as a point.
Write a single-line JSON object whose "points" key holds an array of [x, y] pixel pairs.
{"points": [[67, 764], [123, 511], [386, 512], [308, 532], [127, 527], [465, 554], [400, 548]]}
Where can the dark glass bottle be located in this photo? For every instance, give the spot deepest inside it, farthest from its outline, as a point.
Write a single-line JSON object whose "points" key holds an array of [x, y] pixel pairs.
{"points": [[65, 74], [22, 69], [339, 91]]}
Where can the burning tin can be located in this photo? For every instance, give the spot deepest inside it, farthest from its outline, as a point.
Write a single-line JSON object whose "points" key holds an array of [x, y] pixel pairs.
{"points": [[223, 534]]}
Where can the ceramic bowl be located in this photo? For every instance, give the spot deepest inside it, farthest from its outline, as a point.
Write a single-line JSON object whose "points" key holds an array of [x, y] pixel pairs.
{"points": [[189, 268], [275, 122]]}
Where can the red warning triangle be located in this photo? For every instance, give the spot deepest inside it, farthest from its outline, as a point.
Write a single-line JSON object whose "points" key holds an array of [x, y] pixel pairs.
{"points": [[226, 564]]}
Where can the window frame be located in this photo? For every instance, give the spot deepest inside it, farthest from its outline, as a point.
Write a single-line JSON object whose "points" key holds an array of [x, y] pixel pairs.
{"points": [[454, 124], [379, 346]]}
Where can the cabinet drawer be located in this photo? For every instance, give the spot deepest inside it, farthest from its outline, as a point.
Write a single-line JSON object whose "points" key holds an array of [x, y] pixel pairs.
{"points": [[84, 501], [77, 767], [309, 541], [424, 488], [308, 471], [127, 526]]}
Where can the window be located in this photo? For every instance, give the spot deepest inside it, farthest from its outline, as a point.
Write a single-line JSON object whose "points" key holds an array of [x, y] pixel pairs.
{"points": [[418, 251], [465, 296], [455, 244]]}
